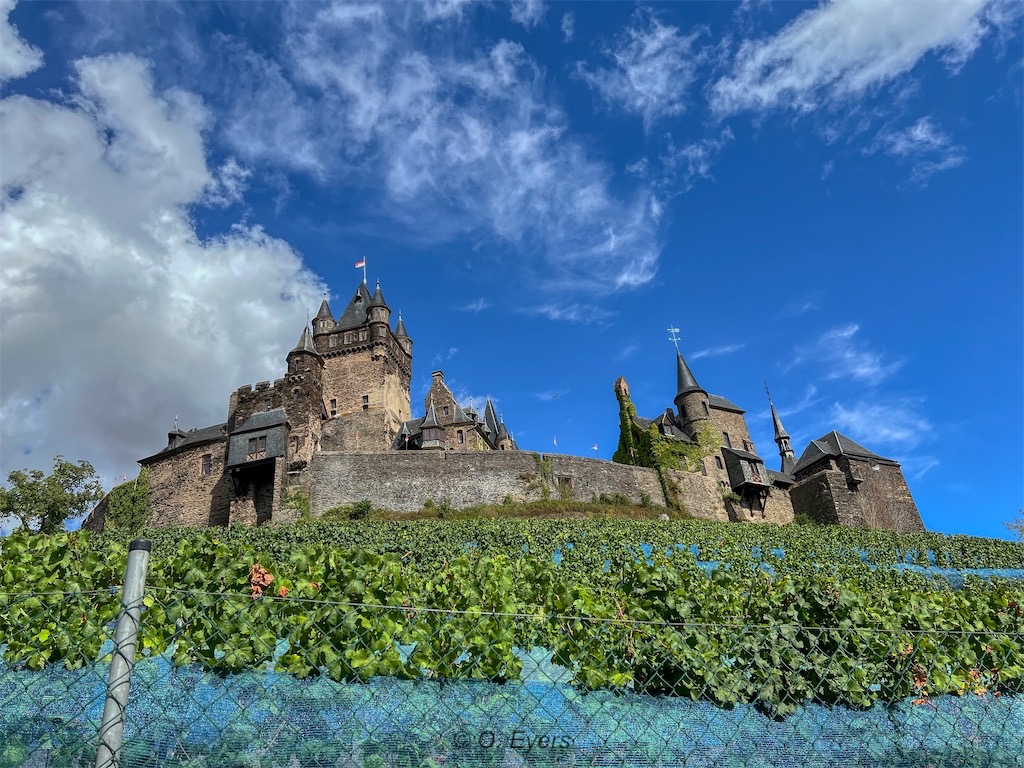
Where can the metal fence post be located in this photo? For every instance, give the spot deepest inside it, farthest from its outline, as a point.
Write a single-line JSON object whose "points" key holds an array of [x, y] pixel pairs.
{"points": [[111, 732]]}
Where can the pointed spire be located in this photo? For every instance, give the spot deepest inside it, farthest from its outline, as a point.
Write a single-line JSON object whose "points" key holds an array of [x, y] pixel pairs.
{"points": [[378, 298], [305, 343], [325, 311], [685, 380], [400, 332], [431, 418], [355, 313], [781, 437]]}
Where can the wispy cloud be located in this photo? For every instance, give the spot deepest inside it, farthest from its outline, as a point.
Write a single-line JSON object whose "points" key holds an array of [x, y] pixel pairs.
{"points": [[529, 13], [568, 26], [842, 355], [440, 357], [727, 349], [573, 313], [924, 144], [476, 306], [685, 165], [833, 54], [551, 394], [654, 67], [898, 424], [627, 351]]}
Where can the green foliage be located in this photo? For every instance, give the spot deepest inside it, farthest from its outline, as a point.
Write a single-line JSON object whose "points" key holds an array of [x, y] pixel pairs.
{"points": [[825, 626], [298, 500], [361, 510], [128, 504], [42, 502]]}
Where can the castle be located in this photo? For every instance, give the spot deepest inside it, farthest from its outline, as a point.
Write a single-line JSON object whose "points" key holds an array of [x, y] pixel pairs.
{"points": [[338, 425]]}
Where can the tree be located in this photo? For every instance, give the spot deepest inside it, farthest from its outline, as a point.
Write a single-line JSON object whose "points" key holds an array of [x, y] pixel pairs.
{"points": [[1017, 526], [44, 502]]}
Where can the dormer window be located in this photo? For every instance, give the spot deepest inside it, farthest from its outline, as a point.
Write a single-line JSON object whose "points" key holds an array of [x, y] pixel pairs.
{"points": [[333, 342], [362, 335]]}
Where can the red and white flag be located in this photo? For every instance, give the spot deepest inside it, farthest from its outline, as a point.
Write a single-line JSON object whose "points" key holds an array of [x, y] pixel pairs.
{"points": [[595, 446], [361, 263]]}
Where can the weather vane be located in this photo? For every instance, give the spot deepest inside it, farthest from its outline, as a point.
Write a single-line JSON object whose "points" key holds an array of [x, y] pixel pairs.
{"points": [[673, 336]]}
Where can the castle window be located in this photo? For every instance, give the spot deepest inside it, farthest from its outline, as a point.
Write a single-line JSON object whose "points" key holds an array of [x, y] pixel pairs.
{"points": [[718, 462], [366, 402], [294, 445], [295, 394], [207, 466], [334, 341], [257, 448], [728, 442], [462, 436], [362, 335], [381, 332], [446, 410], [348, 338], [682, 412], [266, 404], [747, 446], [334, 407]]}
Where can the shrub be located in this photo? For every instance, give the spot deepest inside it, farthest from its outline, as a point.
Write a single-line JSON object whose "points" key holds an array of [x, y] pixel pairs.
{"points": [[361, 510]]}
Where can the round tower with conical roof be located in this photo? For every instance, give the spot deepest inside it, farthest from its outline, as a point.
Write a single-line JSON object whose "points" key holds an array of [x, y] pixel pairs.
{"points": [[691, 399], [403, 335], [324, 321], [378, 313]]}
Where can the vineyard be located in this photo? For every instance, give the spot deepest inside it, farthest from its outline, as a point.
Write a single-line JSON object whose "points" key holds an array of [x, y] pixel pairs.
{"points": [[828, 615]]}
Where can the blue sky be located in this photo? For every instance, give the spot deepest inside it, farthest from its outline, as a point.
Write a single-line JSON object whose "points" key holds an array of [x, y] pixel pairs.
{"points": [[827, 197]]}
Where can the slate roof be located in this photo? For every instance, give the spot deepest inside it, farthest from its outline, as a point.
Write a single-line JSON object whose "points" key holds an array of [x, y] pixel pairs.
{"points": [[461, 417], [190, 439], [306, 343], [780, 478], [431, 418], [354, 315], [490, 419], [685, 380], [717, 401], [263, 420], [325, 312], [378, 298], [780, 431], [835, 444], [743, 454], [400, 332]]}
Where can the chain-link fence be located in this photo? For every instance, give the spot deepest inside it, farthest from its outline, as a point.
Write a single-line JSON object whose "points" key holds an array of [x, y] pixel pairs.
{"points": [[277, 680]]}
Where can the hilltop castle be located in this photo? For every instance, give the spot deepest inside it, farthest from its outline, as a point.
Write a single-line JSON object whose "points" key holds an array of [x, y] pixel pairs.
{"points": [[338, 425]]}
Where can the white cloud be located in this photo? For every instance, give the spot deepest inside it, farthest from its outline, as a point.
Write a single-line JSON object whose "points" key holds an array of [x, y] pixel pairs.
{"points": [[112, 303], [655, 65], [925, 145], [839, 50], [573, 313], [476, 306], [726, 349], [529, 13], [463, 144], [568, 26], [687, 164], [844, 356], [897, 424], [17, 57]]}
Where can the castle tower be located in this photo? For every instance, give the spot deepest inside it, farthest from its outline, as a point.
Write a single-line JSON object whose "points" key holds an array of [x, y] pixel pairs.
{"points": [[402, 336], [324, 320], [303, 402], [368, 369], [503, 439], [378, 313], [782, 440], [690, 399]]}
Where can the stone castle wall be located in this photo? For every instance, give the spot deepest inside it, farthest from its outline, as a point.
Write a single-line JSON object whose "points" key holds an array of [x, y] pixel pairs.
{"points": [[856, 494], [179, 493], [403, 481]]}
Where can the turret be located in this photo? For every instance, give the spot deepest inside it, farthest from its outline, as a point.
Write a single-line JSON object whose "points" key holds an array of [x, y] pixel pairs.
{"points": [[782, 439], [403, 336], [324, 320], [431, 431], [378, 312], [690, 399]]}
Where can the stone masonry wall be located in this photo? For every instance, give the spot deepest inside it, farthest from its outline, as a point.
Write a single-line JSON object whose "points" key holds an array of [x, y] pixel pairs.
{"points": [[403, 481], [179, 494]]}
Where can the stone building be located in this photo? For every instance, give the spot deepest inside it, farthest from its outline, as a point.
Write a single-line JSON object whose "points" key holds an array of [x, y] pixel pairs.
{"points": [[834, 481], [345, 390], [338, 425]]}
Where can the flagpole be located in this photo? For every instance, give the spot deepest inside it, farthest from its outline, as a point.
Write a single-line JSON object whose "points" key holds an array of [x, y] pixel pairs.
{"points": [[364, 270]]}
